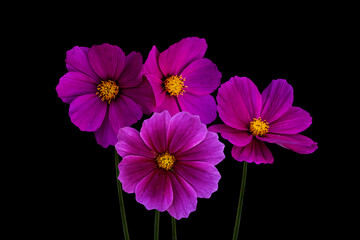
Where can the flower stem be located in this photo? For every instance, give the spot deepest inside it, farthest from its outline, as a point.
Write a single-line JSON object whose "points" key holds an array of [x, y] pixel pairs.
{"points": [[156, 225], [173, 228], [121, 200], [240, 204]]}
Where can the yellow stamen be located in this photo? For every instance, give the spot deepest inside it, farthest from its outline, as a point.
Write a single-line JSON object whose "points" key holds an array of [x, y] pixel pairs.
{"points": [[165, 161], [107, 90], [174, 85], [259, 127]]}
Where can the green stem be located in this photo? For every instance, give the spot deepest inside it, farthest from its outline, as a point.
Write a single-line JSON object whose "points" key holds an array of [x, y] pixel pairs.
{"points": [[173, 228], [121, 199], [156, 225], [240, 204]]}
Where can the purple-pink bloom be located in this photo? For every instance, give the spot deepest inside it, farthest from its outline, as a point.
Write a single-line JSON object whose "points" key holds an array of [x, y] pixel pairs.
{"points": [[170, 162], [252, 118], [105, 90], [182, 79]]}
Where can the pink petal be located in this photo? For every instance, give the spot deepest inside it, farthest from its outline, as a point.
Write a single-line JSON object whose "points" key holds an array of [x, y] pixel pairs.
{"points": [[210, 150], [154, 191], [75, 84], [154, 131], [131, 75], [131, 143], [142, 95], [202, 77], [295, 142], [133, 169], [174, 60], [293, 121], [237, 137], [108, 61], [158, 89], [168, 104], [204, 106], [105, 135], [151, 65], [203, 177], [277, 98], [77, 61], [184, 200], [304, 145], [123, 112], [87, 112], [239, 102], [256, 151], [185, 131]]}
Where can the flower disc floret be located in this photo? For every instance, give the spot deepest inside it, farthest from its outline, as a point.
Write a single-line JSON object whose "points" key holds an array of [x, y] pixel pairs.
{"points": [[165, 161], [174, 85], [107, 90], [259, 127]]}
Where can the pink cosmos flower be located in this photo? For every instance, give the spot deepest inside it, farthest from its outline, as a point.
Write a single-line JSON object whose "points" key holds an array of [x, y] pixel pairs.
{"points": [[182, 79], [105, 90], [252, 118], [170, 162]]}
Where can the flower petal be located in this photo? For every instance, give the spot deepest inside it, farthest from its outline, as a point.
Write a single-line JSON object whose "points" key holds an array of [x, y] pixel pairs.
{"points": [[168, 104], [210, 150], [184, 200], [77, 61], [142, 95], [185, 131], [295, 142], [75, 84], [108, 61], [204, 106], [154, 131], [237, 137], [277, 98], [131, 143], [202, 176], [124, 112], [256, 151], [105, 134], [174, 60], [239, 102], [154, 191], [158, 89], [131, 75], [304, 145], [202, 77], [132, 169], [87, 112], [293, 121], [151, 65]]}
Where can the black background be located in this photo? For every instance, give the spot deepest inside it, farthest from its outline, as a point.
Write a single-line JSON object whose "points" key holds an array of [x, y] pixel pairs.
{"points": [[66, 181]]}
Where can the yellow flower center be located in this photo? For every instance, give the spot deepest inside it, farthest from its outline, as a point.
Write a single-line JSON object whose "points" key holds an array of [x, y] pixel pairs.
{"points": [[259, 127], [165, 160], [107, 90], [174, 85]]}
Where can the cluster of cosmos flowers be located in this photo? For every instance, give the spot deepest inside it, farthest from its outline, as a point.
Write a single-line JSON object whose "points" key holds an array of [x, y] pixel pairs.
{"points": [[171, 161]]}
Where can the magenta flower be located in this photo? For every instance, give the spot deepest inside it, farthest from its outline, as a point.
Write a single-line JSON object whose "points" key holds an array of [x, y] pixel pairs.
{"points": [[182, 79], [252, 118], [105, 90], [170, 163]]}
